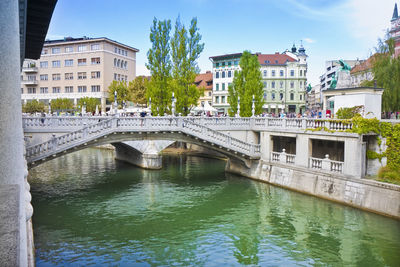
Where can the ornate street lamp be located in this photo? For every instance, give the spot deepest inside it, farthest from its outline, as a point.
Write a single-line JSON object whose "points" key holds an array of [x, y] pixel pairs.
{"points": [[115, 101], [238, 107], [49, 106], [253, 107], [173, 104]]}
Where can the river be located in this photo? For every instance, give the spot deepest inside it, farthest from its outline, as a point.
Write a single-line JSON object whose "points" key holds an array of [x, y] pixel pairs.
{"points": [[92, 210]]}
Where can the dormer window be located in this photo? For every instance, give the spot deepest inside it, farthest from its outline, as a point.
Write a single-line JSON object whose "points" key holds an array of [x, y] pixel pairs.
{"points": [[266, 61], [276, 61]]}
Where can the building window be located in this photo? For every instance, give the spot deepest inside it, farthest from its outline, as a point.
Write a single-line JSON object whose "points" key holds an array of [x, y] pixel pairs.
{"points": [[81, 89], [301, 72], [82, 48], [301, 97], [281, 84], [301, 84], [209, 93], [229, 73], [56, 77], [217, 99], [44, 90], [44, 64], [223, 86], [69, 76], [69, 49], [272, 84], [265, 84], [56, 63], [95, 60], [95, 47], [56, 90], [95, 74], [291, 96], [45, 51], [69, 62], [55, 50], [292, 85], [31, 90], [217, 75], [222, 99], [292, 73], [81, 61], [81, 75], [265, 95], [281, 73], [273, 73], [265, 73], [95, 88], [44, 77], [223, 74], [217, 87], [273, 96], [281, 96], [69, 89]]}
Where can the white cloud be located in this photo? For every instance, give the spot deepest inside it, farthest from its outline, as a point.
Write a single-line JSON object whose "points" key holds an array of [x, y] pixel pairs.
{"points": [[142, 70], [309, 40], [369, 19]]}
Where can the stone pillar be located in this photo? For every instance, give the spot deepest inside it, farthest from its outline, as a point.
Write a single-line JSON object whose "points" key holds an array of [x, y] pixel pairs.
{"points": [[12, 163], [352, 161], [103, 104], [303, 150]]}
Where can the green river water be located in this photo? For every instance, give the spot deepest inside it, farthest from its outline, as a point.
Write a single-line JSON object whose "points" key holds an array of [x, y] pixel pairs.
{"points": [[90, 210]]}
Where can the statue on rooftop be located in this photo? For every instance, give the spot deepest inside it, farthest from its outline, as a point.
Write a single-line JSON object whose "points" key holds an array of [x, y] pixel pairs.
{"points": [[333, 82], [344, 66]]}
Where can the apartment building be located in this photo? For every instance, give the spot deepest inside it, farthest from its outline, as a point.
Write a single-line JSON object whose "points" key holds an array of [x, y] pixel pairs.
{"points": [[284, 76], [331, 66], [77, 67], [205, 81]]}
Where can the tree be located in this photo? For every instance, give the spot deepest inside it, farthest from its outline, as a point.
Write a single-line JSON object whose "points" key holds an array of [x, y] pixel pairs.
{"points": [[185, 50], [122, 91], [137, 90], [159, 64], [33, 106], [62, 104], [90, 102], [246, 84], [386, 71]]}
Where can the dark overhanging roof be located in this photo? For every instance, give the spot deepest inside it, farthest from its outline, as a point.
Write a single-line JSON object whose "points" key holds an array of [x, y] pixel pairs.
{"points": [[38, 15]]}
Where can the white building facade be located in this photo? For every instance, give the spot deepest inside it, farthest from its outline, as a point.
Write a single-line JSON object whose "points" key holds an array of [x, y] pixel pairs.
{"points": [[284, 76]]}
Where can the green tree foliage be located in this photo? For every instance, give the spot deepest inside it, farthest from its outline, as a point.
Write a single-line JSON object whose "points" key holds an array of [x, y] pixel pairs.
{"points": [[246, 83], [159, 64], [61, 104], [90, 102], [122, 91], [137, 90], [33, 106], [185, 50], [386, 70], [348, 113]]}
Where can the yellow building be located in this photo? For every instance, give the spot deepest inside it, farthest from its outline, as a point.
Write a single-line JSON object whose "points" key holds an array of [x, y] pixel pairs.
{"points": [[77, 67], [205, 81]]}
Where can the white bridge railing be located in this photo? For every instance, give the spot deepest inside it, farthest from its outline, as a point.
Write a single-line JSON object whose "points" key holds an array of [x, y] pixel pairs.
{"points": [[326, 164], [135, 124], [65, 123], [283, 157]]}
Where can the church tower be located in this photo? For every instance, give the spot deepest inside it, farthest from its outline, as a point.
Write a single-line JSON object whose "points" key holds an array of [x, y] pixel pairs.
{"points": [[395, 30]]}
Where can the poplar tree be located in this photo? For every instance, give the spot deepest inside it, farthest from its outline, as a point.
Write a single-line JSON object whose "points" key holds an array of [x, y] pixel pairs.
{"points": [[246, 84], [185, 51], [386, 70], [159, 64], [137, 90]]}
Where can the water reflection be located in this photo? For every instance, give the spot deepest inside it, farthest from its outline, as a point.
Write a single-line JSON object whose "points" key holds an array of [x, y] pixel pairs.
{"points": [[92, 210]]}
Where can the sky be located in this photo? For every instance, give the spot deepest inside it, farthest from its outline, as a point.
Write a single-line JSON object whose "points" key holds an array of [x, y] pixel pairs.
{"points": [[328, 30]]}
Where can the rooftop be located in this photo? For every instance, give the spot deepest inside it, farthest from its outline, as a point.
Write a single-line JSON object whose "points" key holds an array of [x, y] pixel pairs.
{"points": [[203, 78], [274, 59]]}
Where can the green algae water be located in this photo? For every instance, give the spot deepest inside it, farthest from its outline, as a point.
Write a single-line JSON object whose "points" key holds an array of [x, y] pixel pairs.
{"points": [[90, 210]]}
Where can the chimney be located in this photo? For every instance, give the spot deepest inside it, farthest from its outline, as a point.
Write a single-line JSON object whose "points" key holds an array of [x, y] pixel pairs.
{"points": [[276, 53]]}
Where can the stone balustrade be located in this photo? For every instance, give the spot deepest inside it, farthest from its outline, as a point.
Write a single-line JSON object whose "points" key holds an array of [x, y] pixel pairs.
{"points": [[283, 157], [63, 123], [326, 164]]}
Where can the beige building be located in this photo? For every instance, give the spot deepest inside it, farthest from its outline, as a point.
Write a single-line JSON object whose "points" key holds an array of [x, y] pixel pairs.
{"points": [[77, 67], [205, 81]]}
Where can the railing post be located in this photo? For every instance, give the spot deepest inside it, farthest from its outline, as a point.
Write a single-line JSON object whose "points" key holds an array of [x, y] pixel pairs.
{"points": [[303, 123], [328, 125], [326, 163], [228, 122], [114, 123], [53, 142], [252, 123], [282, 156], [284, 123], [252, 149]]}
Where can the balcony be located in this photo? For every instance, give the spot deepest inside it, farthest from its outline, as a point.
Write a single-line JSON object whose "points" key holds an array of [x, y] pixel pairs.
{"points": [[29, 82], [30, 69]]}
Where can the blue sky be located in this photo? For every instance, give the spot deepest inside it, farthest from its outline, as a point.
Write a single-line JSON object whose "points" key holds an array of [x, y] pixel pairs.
{"points": [[346, 29]]}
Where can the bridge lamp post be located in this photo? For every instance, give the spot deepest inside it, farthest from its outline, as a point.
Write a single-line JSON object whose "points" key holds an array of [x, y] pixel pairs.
{"points": [[173, 104], [253, 107], [49, 106], [238, 107], [115, 101]]}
